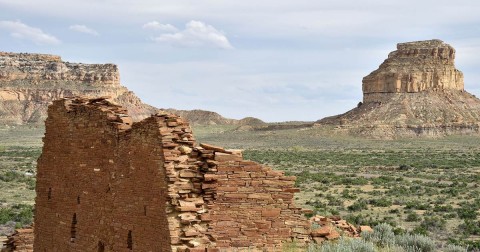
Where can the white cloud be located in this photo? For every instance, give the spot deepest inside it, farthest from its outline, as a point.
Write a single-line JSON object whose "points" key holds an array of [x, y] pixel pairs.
{"points": [[196, 34], [20, 30], [155, 25], [84, 29]]}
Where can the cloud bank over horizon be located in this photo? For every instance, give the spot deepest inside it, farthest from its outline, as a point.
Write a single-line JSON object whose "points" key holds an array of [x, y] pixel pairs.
{"points": [[278, 61], [19, 30]]}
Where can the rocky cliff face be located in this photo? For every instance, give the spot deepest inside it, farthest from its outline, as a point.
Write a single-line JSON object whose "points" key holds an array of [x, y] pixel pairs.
{"points": [[414, 67], [29, 82], [416, 91]]}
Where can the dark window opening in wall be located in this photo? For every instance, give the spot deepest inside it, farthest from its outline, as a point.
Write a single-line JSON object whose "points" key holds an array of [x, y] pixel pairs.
{"points": [[78, 199], [145, 210], [129, 240], [49, 193], [73, 228], [101, 247]]}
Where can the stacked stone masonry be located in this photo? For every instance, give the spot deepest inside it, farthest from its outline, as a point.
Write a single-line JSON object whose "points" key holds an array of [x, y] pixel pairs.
{"points": [[107, 184], [414, 67], [21, 240]]}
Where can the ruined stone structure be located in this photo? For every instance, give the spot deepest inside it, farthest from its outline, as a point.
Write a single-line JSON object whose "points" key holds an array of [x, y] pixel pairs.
{"points": [[30, 82], [107, 184], [414, 67]]}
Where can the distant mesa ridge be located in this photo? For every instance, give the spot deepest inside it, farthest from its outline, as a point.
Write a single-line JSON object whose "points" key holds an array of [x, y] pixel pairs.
{"points": [[416, 91], [30, 82]]}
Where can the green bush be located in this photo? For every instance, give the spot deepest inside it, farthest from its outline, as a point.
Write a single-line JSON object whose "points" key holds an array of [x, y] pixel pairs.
{"points": [[345, 245], [382, 202], [467, 212], [382, 235], [20, 213], [433, 224], [412, 217], [469, 227], [358, 206], [10, 176], [454, 248], [420, 242]]}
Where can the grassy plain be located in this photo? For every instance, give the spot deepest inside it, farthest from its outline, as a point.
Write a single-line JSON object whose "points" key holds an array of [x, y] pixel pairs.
{"points": [[425, 186]]}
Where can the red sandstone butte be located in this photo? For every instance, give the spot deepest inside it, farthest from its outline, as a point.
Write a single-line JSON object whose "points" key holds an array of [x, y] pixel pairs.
{"points": [[107, 184]]}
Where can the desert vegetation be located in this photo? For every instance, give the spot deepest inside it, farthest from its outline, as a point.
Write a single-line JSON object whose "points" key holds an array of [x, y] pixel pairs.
{"points": [[423, 189]]}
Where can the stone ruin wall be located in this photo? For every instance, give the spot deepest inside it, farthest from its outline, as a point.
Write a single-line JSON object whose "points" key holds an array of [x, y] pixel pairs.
{"points": [[107, 184], [414, 67]]}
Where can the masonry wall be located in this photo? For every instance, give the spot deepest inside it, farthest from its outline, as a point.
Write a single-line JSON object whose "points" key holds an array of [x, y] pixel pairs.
{"points": [[105, 184], [99, 187]]}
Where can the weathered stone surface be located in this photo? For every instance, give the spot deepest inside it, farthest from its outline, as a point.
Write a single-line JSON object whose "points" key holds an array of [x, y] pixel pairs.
{"points": [[30, 82], [106, 184], [414, 67], [365, 229], [328, 228], [417, 91], [21, 240]]}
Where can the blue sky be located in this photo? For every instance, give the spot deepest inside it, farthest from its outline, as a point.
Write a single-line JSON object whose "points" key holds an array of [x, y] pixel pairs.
{"points": [[275, 60]]}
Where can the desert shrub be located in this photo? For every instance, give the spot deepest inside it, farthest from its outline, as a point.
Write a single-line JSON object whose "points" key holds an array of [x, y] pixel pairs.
{"points": [[382, 235], [470, 227], [10, 176], [412, 217], [346, 194], [14, 176], [382, 202], [467, 212], [443, 208], [334, 201], [417, 205], [433, 224], [346, 245], [454, 248], [415, 242], [358, 206], [6, 214], [404, 167], [20, 213]]}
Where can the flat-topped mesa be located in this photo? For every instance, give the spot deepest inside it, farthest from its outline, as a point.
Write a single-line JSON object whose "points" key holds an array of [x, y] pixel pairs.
{"points": [[25, 68], [30, 82], [414, 67]]}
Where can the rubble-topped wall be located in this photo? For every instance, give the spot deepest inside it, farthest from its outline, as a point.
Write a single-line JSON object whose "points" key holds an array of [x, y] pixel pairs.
{"points": [[414, 67], [107, 184]]}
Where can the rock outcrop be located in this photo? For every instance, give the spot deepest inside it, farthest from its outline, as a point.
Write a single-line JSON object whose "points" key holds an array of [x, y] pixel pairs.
{"points": [[414, 67], [416, 91], [29, 82]]}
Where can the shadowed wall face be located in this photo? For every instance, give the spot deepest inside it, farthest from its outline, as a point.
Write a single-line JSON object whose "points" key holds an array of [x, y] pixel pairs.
{"points": [[100, 188]]}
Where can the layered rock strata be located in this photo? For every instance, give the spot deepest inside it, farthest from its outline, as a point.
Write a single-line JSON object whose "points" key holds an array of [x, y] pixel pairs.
{"points": [[416, 91], [414, 67], [107, 184], [30, 82]]}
